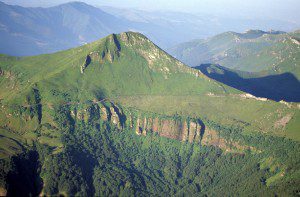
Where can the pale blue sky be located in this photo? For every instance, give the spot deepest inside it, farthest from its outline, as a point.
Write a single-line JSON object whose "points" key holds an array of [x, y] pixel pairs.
{"points": [[276, 9]]}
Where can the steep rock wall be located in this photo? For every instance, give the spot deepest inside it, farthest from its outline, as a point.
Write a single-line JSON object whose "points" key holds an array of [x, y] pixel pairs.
{"points": [[176, 127], [179, 128], [99, 112], [183, 129]]}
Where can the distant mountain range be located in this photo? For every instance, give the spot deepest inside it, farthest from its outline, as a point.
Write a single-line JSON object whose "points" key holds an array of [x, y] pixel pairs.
{"points": [[271, 52], [31, 31]]}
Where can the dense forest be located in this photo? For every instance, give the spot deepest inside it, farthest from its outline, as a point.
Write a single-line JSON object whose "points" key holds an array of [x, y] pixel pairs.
{"points": [[99, 159]]}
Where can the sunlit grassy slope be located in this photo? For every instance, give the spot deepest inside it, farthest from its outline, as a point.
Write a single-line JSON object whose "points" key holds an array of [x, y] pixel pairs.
{"points": [[120, 66], [133, 71]]}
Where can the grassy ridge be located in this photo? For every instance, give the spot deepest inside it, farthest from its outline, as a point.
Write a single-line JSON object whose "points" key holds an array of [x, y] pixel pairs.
{"points": [[131, 73]]}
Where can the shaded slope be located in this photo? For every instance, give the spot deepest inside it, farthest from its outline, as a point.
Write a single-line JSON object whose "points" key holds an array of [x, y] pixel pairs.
{"points": [[275, 87]]}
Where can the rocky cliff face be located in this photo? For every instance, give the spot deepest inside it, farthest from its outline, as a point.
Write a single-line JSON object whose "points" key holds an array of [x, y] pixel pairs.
{"points": [[185, 129], [179, 129], [99, 112]]}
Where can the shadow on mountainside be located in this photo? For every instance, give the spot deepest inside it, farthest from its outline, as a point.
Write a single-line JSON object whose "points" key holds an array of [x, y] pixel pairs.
{"points": [[24, 178], [275, 87]]}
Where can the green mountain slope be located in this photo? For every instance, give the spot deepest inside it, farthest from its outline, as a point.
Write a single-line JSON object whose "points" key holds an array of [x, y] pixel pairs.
{"points": [[117, 67], [119, 116], [119, 64], [253, 51]]}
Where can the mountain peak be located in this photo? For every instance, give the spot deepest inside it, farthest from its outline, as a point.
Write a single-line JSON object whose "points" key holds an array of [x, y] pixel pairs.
{"points": [[133, 38], [75, 3], [114, 41], [251, 31], [125, 47], [256, 33], [78, 5]]}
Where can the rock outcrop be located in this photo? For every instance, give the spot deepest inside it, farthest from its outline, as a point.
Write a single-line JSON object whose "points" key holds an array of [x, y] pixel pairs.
{"points": [[250, 96], [115, 118], [179, 128], [212, 138], [104, 113], [169, 127], [97, 112], [88, 60], [184, 129], [109, 51]]}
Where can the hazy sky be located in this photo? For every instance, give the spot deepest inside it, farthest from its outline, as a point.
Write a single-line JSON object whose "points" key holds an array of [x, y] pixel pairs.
{"points": [[277, 9]]}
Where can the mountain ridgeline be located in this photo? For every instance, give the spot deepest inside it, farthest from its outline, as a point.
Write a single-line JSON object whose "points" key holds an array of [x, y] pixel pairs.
{"points": [[120, 116], [31, 31], [37, 30]]}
